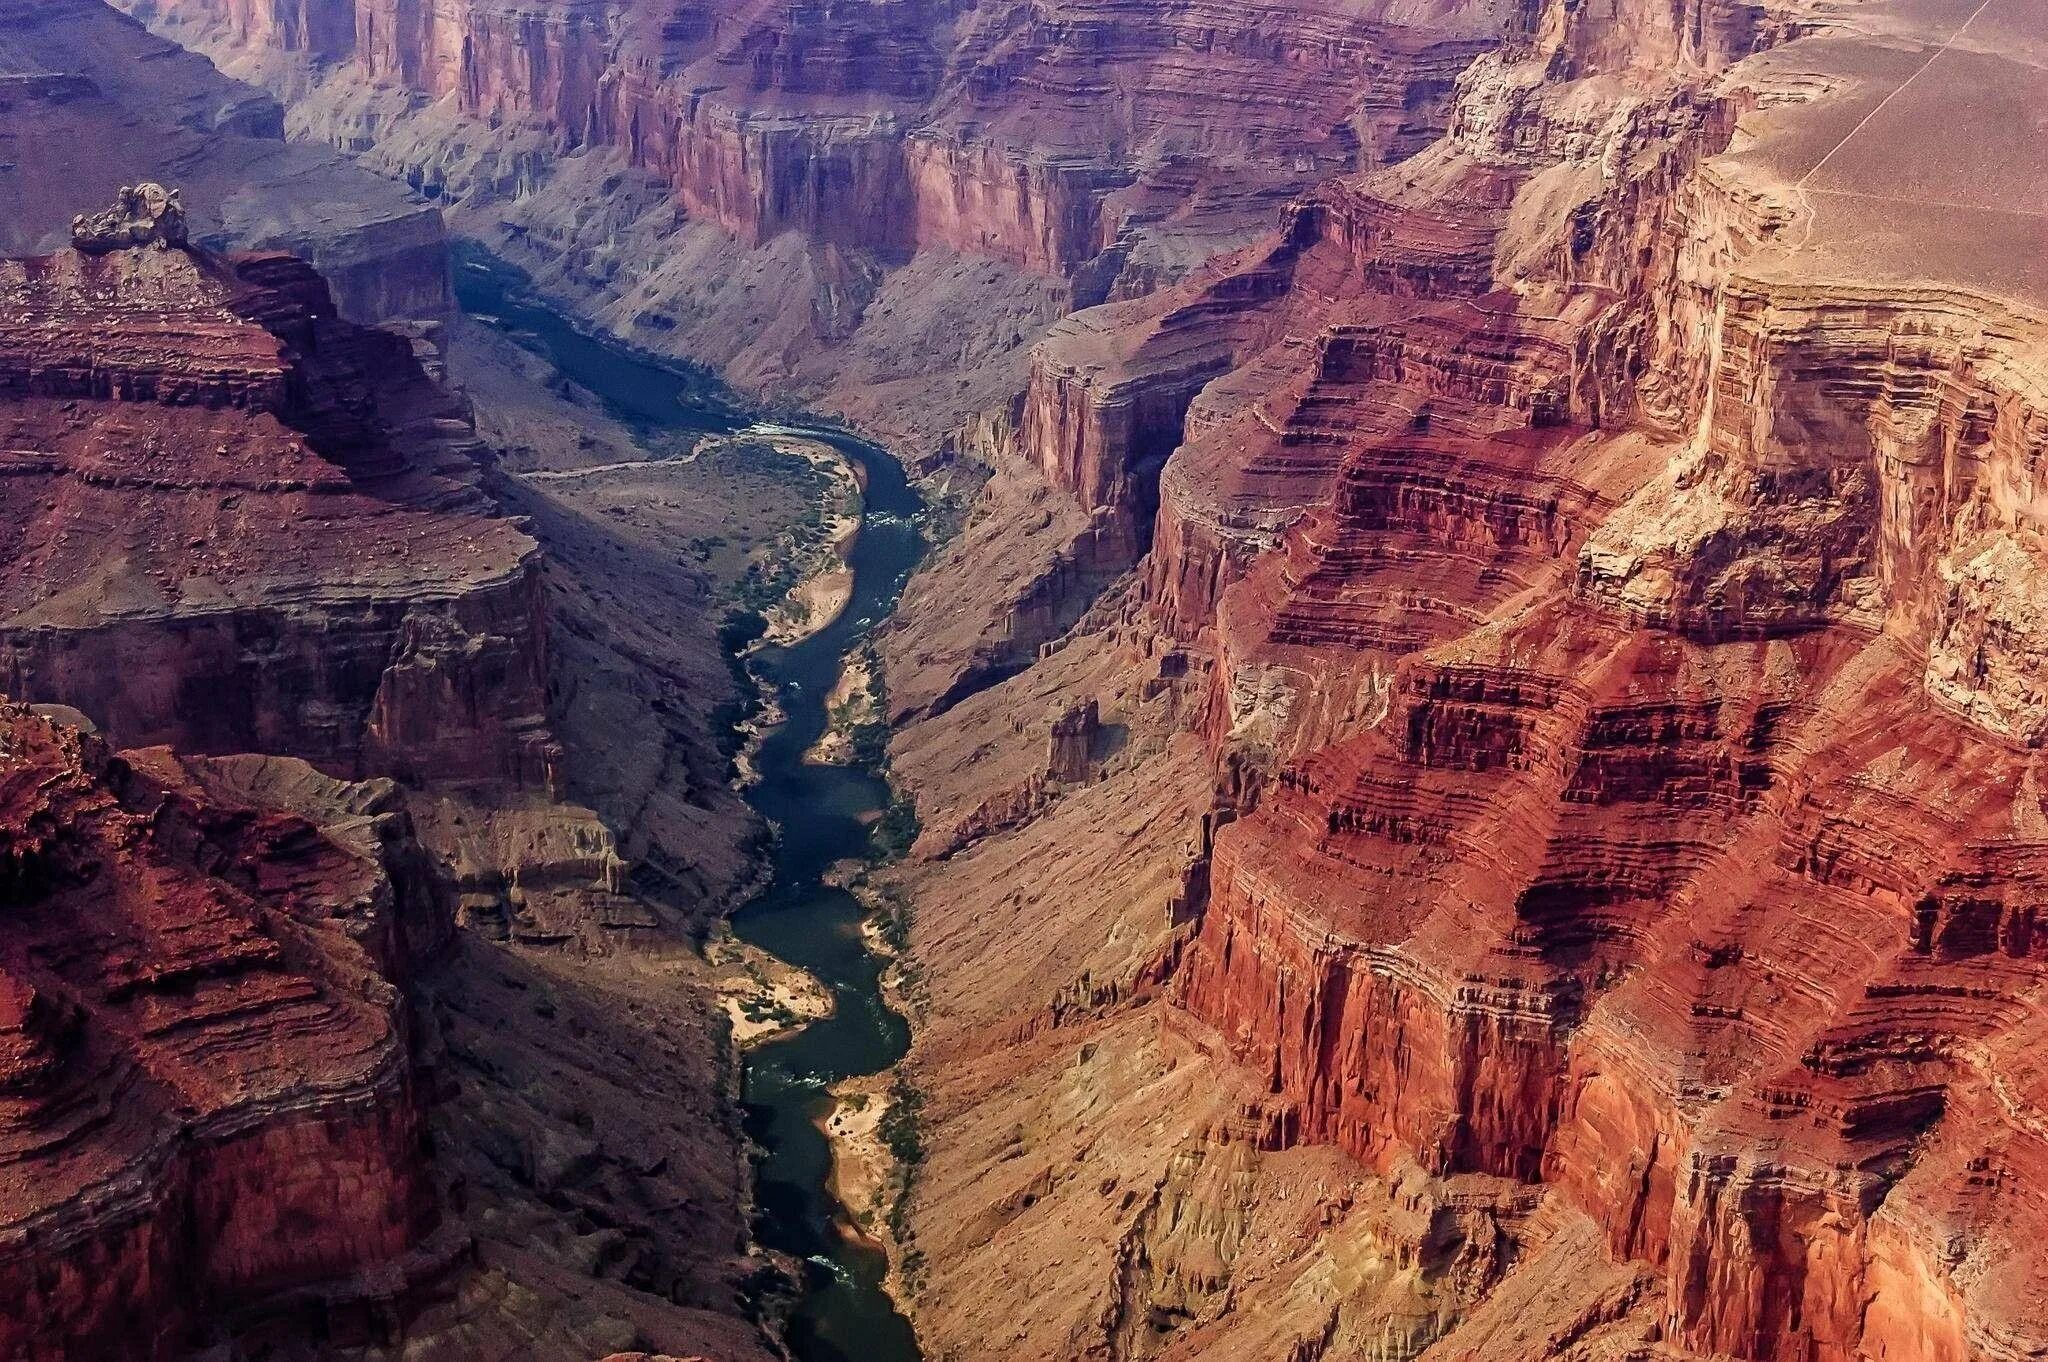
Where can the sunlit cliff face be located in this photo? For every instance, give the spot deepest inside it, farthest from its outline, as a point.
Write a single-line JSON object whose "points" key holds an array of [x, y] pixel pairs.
{"points": [[1566, 521], [1479, 749]]}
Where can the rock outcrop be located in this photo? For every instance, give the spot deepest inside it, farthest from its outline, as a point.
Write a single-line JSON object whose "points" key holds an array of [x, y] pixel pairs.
{"points": [[1591, 553], [89, 100], [206, 1096], [877, 207], [142, 215], [239, 523]]}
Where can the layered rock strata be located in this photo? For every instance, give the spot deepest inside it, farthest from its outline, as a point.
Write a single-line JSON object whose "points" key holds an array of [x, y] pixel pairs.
{"points": [[248, 526], [1589, 553], [1569, 747], [243, 524], [876, 208], [90, 100], [907, 126], [239, 523], [206, 1096]]}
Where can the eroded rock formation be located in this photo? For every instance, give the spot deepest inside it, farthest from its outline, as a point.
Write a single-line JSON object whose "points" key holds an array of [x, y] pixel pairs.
{"points": [[239, 523], [878, 206], [206, 1095], [1552, 869], [89, 100], [1591, 553], [142, 215], [242, 527]]}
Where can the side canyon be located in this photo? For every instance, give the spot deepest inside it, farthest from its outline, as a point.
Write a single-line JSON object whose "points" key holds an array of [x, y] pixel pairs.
{"points": [[1475, 745]]}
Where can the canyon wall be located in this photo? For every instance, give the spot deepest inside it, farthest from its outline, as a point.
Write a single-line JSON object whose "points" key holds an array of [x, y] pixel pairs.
{"points": [[255, 537], [906, 126], [208, 1097], [875, 209], [241, 523], [1590, 555], [237, 523], [89, 100]]}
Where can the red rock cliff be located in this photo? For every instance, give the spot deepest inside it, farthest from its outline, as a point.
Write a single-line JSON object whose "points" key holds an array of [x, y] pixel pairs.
{"points": [[901, 126], [205, 1092], [876, 207], [1653, 791], [239, 523], [1600, 542], [1597, 535]]}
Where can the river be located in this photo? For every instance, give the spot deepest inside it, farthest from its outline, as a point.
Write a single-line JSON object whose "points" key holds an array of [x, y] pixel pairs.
{"points": [[824, 815]]}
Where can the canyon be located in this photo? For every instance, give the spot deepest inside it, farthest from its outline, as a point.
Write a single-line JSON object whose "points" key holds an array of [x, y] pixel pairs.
{"points": [[872, 209], [1581, 555], [319, 954], [1476, 744]]}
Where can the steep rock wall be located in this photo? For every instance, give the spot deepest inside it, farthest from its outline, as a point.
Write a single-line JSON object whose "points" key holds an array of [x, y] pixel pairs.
{"points": [[239, 527], [1624, 879], [1590, 548], [874, 208], [908, 125], [208, 1098]]}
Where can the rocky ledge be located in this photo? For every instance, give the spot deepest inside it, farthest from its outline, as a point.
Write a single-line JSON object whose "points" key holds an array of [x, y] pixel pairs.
{"points": [[237, 522], [88, 96], [1590, 553], [206, 1096]]}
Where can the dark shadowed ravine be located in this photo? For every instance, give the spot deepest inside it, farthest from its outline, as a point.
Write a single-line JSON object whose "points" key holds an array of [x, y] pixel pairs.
{"points": [[824, 815]]}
